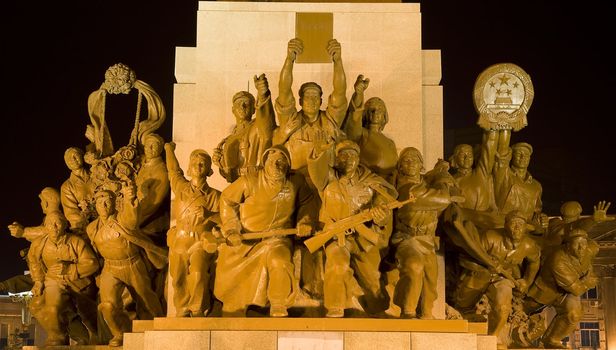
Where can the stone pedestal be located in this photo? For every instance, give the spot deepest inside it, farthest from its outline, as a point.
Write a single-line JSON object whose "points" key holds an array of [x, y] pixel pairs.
{"points": [[307, 333]]}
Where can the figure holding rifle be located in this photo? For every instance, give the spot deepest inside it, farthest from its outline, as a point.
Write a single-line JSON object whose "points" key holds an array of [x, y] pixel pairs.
{"points": [[352, 254]]}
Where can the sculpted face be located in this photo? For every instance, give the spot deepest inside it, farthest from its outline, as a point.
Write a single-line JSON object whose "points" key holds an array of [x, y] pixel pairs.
{"points": [[376, 116], [243, 108], [464, 157], [410, 165], [276, 165], [152, 148], [73, 160], [520, 158], [105, 205], [578, 246], [55, 226], [347, 161], [516, 228], [199, 167], [311, 101]]}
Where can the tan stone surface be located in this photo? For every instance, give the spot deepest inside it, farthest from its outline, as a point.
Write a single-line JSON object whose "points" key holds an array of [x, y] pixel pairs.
{"points": [[377, 340], [431, 341], [140, 326], [480, 328], [133, 341], [246, 340], [431, 63], [486, 342], [192, 340], [311, 324], [71, 347], [293, 340]]}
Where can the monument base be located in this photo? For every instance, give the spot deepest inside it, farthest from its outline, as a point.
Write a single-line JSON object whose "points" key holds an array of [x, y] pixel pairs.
{"points": [[307, 333]]}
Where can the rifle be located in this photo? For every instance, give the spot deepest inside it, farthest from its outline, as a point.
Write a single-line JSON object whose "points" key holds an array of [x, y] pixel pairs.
{"points": [[211, 241], [353, 222]]}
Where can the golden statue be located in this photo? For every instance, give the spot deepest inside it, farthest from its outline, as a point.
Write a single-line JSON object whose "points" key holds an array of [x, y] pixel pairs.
{"points": [[197, 207], [414, 235], [50, 202], [62, 266], [564, 276], [298, 129], [514, 186], [116, 238], [513, 263], [352, 254], [153, 186], [364, 124], [240, 152], [258, 211], [76, 191]]}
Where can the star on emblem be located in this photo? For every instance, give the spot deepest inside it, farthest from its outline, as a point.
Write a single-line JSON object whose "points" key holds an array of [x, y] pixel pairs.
{"points": [[503, 79]]}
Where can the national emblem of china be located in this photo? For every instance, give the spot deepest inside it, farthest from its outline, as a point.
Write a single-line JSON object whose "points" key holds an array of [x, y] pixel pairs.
{"points": [[503, 94]]}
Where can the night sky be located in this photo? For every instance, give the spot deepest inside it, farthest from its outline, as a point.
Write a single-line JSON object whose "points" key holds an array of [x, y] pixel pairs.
{"points": [[55, 54]]}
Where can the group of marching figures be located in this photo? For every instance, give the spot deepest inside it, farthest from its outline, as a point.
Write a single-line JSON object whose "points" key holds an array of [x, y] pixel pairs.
{"points": [[321, 214]]}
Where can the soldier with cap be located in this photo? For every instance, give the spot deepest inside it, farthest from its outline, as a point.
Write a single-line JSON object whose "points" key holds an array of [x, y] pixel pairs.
{"points": [[515, 262], [564, 276], [351, 261], [514, 187], [241, 151]]}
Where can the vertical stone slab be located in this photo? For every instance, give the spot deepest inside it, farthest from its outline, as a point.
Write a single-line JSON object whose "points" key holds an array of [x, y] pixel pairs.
{"points": [[170, 340], [431, 341], [133, 341], [377, 341], [486, 342], [245, 340], [295, 340]]}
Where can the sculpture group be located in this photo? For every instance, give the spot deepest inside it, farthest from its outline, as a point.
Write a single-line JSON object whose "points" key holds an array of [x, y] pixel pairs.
{"points": [[320, 216]]}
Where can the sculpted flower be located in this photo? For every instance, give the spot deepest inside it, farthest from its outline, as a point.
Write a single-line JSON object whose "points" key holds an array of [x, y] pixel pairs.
{"points": [[128, 153], [119, 79]]}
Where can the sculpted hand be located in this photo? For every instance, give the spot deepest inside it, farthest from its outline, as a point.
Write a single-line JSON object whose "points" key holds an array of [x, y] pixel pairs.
{"points": [[170, 146], [320, 142], [217, 156], [295, 47], [361, 84], [16, 229], [37, 289], [304, 230], [234, 239], [521, 285], [590, 281], [600, 212], [261, 85], [334, 50], [379, 214], [90, 158]]}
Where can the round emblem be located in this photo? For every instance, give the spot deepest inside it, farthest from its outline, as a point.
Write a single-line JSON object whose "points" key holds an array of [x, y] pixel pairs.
{"points": [[503, 94]]}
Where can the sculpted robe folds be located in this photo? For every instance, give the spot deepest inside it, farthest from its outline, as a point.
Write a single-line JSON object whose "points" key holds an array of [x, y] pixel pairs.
{"points": [[253, 204]]}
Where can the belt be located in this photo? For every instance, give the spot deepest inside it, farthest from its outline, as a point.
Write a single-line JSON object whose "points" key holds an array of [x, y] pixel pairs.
{"points": [[122, 262]]}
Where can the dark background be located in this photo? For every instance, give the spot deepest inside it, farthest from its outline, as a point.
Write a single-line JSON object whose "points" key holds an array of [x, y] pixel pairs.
{"points": [[55, 55]]}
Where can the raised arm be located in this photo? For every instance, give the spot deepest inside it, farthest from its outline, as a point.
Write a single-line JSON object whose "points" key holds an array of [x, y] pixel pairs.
{"points": [[265, 118], [285, 95], [337, 100], [352, 125]]}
